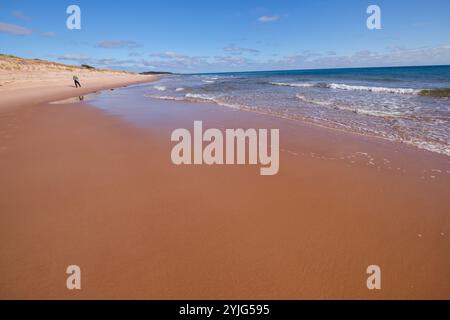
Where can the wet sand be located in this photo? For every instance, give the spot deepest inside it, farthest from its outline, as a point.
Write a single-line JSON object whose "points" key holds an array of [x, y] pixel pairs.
{"points": [[82, 186]]}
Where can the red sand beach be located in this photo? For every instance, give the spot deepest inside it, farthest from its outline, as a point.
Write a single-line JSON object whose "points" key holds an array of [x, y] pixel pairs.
{"points": [[81, 186]]}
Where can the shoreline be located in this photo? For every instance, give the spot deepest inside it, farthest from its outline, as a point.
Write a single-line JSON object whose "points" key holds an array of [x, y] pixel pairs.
{"points": [[318, 125], [101, 192]]}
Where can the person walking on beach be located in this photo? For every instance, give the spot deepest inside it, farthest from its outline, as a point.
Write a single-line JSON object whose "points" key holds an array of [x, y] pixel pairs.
{"points": [[77, 82]]}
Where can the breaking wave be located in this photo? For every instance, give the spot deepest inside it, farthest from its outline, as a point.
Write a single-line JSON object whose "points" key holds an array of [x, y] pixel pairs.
{"points": [[287, 84], [341, 86]]}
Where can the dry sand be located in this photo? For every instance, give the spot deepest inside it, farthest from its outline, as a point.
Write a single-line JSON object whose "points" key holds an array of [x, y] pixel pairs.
{"points": [[81, 186]]}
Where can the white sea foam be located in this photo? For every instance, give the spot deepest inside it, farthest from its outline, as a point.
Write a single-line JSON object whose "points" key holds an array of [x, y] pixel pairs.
{"points": [[215, 99], [379, 113], [154, 96], [336, 105], [287, 84], [200, 96], [430, 146], [160, 88], [341, 86], [314, 101], [193, 97], [179, 89]]}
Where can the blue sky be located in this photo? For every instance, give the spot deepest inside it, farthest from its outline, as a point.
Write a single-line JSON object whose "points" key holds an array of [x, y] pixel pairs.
{"points": [[232, 35]]}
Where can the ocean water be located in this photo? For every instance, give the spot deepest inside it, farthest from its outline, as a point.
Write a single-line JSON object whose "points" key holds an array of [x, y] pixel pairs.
{"points": [[381, 102]]}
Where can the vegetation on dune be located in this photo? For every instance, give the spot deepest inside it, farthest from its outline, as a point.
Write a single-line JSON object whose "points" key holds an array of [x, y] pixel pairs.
{"points": [[86, 66], [5, 56], [13, 63]]}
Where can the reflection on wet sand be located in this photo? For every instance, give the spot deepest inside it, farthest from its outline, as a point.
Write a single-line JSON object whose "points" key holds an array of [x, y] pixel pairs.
{"points": [[71, 100]]}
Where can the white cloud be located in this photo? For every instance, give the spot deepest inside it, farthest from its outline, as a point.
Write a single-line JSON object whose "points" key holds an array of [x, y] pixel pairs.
{"points": [[118, 44], [114, 63], [168, 55], [48, 34], [172, 60], [397, 56], [73, 57], [20, 15], [14, 29], [265, 19], [235, 50]]}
